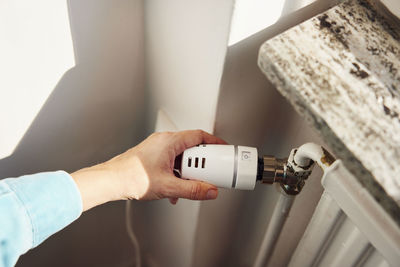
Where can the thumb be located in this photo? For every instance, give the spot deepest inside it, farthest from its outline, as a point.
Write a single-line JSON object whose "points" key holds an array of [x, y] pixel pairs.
{"points": [[190, 189]]}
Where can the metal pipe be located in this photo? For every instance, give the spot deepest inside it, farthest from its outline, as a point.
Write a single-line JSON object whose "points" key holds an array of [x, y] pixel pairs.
{"points": [[279, 216], [291, 174]]}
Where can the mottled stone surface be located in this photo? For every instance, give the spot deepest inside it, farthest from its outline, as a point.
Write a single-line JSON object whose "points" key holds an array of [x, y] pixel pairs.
{"points": [[341, 70]]}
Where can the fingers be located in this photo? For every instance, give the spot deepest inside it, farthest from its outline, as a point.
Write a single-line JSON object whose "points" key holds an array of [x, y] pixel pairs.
{"points": [[189, 189], [173, 200], [190, 138]]}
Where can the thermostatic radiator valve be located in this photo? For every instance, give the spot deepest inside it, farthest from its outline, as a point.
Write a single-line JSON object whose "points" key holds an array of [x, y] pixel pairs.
{"points": [[240, 167]]}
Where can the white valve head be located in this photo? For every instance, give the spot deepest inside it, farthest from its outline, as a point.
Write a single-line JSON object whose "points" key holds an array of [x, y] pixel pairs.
{"points": [[225, 166]]}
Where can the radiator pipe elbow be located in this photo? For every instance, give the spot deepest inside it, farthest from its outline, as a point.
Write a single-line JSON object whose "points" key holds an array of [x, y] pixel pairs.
{"points": [[292, 172], [310, 153]]}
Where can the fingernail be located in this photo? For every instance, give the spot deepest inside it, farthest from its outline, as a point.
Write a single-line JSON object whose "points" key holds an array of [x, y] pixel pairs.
{"points": [[212, 194]]}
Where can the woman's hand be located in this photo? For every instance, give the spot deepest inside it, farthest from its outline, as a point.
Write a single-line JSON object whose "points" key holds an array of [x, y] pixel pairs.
{"points": [[145, 172]]}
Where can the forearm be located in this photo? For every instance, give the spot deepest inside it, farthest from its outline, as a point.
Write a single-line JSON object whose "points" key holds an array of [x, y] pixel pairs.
{"points": [[97, 185]]}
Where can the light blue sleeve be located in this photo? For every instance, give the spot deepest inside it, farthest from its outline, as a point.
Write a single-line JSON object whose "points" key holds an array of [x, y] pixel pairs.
{"points": [[32, 208]]}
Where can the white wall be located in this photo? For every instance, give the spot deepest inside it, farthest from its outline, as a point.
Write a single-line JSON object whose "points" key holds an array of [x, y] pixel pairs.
{"points": [[393, 6], [85, 113], [252, 16], [186, 42]]}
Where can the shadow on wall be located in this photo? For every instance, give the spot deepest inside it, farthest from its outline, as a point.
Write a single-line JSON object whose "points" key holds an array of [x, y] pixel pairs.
{"points": [[95, 111], [252, 112]]}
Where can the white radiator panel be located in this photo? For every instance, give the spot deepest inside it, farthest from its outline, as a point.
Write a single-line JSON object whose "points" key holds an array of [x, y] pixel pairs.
{"points": [[348, 227], [373, 259], [346, 247]]}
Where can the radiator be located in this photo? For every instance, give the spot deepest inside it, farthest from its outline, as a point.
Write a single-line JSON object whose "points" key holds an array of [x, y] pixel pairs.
{"points": [[348, 227]]}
